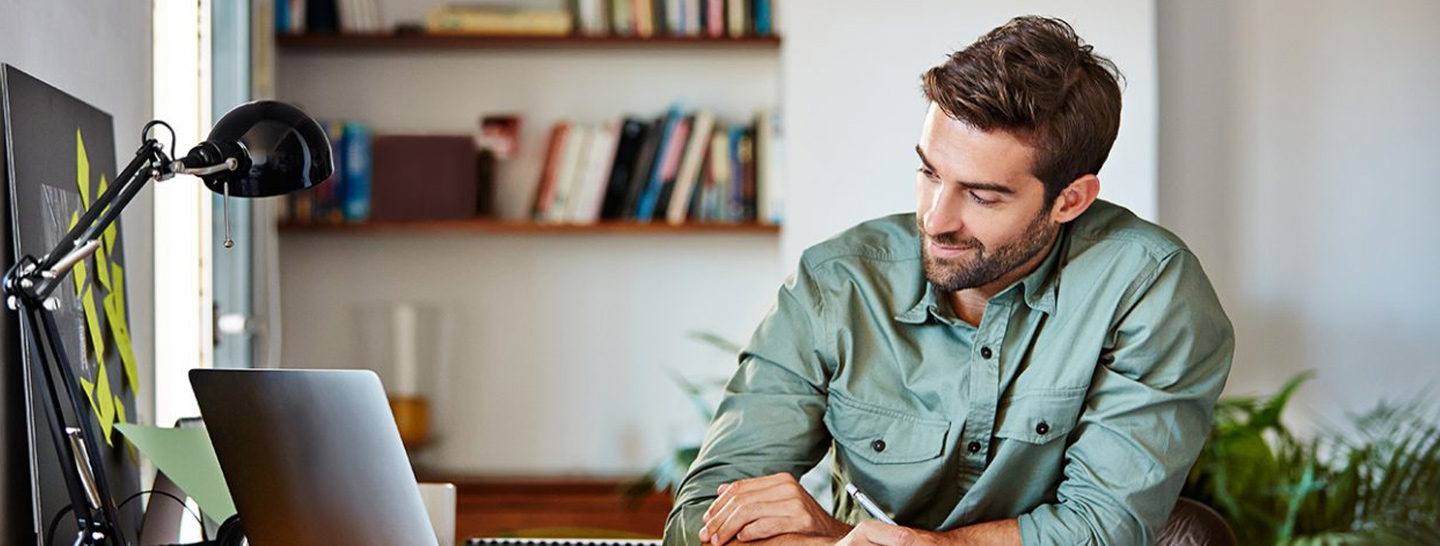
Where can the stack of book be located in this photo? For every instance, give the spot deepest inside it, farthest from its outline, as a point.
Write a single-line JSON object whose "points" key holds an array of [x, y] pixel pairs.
{"points": [[503, 18], [681, 167], [692, 18], [345, 196], [627, 18], [324, 16]]}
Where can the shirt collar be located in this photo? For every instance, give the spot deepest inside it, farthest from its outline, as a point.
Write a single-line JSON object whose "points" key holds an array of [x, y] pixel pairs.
{"points": [[927, 307], [1042, 283], [1039, 288]]}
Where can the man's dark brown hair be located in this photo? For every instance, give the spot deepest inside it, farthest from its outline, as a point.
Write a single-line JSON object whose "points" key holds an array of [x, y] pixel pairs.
{"points": [[1036, 79]]}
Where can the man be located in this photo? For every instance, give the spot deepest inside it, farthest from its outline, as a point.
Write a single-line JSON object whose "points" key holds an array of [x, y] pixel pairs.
{"points": [[1016, 362]]}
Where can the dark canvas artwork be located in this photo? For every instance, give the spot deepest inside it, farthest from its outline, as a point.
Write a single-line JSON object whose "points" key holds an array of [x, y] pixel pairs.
{"points": [[58, 156]]}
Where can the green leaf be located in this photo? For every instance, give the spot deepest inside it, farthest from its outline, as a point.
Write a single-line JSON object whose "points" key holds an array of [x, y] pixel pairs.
{"points": [[713, 339]]}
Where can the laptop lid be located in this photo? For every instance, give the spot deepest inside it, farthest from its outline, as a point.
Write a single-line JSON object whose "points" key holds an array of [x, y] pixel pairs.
{"points": [[312, 457]]}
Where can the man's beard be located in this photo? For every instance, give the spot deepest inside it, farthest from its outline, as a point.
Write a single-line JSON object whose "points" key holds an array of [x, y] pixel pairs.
{"points": [[984, 266]]}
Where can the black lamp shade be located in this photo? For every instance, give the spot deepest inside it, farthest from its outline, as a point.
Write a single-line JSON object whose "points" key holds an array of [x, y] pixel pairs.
{"points": [[280, 150]]}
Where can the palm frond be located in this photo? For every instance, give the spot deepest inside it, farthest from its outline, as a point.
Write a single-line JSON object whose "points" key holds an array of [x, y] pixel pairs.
{"points": [[1373, 484]]}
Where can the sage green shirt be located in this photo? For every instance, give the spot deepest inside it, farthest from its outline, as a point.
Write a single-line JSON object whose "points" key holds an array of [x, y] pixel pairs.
{"points": [[1078, 405]]}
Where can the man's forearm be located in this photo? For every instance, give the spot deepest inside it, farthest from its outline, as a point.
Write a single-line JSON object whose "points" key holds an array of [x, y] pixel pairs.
{"points": [[1004, 532], [791, 540]]}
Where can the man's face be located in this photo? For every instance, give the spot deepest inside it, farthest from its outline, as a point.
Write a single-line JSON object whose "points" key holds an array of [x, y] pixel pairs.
{"points": [[979, 209]]}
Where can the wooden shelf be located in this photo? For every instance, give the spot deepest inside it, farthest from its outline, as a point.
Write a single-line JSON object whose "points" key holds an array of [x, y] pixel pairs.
{"points": [[388, 41], [485, 225]]}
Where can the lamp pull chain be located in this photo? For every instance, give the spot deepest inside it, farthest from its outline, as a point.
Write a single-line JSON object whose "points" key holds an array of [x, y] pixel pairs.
{"points": [[228, 242]]}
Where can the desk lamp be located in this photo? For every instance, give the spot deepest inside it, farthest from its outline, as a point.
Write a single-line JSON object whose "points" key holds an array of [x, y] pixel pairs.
{"points": [[258, 149]]}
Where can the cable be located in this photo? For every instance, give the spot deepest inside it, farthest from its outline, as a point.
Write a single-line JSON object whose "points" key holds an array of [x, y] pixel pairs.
{"points": [[172, 496], [54, 522]]}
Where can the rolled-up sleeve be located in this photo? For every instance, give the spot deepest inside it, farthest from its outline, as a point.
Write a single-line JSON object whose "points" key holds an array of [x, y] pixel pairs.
{"points": [[1146, 416], [771, 417]]}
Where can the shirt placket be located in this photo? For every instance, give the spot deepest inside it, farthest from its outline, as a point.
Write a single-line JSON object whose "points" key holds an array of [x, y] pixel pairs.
{"points": [[984, 387]]}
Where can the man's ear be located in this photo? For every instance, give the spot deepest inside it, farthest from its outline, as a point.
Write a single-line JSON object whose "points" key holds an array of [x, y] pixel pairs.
{"points": [[1075, 199]]}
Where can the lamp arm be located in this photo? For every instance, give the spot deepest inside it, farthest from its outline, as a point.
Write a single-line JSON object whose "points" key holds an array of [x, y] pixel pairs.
{"points": [[150, 162], [28, 286]]}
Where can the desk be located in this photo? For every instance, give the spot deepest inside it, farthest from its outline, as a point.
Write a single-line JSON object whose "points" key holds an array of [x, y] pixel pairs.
{"points": [[496, 505]]}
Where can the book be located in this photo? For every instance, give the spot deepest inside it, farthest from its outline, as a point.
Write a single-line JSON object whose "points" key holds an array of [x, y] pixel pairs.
{"points": [[591, 17], [715, 18], [360, 16], [567, 179], [643, 12], [627, 152], [769, 165], [297, 15], [673, 149], [736, 17], [674, 17], [763, 137], [645, 207], [762, 18], [622, 21], [545, 188], [585, 207], [644, 166], [733, 208], [500, 21], [747, 175], [717, 177], [357, 171], [282, 17], [694, 17], [689, 170], [322, 16]]}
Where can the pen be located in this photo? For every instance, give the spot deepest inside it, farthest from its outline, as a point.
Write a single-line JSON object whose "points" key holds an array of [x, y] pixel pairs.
{"points": [[869, 505]]}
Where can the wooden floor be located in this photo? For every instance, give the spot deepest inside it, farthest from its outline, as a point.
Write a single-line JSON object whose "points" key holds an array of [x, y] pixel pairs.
{"points": [[552, 506]]}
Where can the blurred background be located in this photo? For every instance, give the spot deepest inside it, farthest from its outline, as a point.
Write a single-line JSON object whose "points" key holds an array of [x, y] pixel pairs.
{"points": [[550, 306]]}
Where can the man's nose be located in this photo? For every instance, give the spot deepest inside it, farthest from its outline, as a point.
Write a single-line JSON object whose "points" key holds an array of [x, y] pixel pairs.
{"points": [[944, 214]]}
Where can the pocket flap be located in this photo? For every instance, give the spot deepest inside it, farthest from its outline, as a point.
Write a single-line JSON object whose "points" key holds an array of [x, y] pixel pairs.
{"points": [[1040, 416], [882, 435]]}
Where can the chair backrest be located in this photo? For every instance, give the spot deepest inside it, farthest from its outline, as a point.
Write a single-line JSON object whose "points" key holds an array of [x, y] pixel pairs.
{"points": [[1194, 524]]}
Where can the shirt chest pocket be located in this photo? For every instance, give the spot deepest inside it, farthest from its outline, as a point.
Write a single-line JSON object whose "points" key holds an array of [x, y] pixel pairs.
{"points": [[1039, 416], [884, 436]]}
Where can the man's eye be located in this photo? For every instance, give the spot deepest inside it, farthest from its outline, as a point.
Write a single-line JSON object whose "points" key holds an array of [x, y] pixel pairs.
{"points": [[927, 172], [980, 200]]}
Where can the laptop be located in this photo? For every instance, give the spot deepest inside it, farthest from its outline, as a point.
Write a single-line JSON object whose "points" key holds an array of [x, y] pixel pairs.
{"points": [[312, 457]]}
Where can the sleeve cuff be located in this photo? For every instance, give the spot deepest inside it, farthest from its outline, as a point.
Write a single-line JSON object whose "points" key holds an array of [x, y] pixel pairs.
{"points": [[684, 526]]}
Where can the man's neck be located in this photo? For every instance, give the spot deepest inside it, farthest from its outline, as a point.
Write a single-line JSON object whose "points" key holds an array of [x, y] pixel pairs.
{"points": [[969, 304]]}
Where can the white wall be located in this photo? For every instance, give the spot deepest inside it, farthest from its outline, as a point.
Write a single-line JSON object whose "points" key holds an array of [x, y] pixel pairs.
{"points": [[98, 51], [853, 101], [564, 344], [1297, 159]]}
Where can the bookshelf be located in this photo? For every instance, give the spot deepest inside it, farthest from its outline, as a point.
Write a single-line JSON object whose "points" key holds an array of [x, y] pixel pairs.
{"points": [[488, 225], [533, 302], [421, 41]]}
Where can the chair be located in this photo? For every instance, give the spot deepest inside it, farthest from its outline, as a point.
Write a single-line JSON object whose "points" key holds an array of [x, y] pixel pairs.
{"points": [[1194, 524]]}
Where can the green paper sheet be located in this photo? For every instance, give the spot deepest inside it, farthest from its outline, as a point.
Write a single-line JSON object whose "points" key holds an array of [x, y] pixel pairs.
{"points": [[82, 169], [185, 455]]}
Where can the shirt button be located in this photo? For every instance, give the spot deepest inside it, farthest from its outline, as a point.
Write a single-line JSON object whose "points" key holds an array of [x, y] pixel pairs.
{"points": [[986, 353], [1042, 428], [974, 447], [878, 445]]}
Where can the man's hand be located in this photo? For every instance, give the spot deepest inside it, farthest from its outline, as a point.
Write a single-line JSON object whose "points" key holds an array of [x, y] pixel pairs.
{"points": [[874, 533], [760, 508]]}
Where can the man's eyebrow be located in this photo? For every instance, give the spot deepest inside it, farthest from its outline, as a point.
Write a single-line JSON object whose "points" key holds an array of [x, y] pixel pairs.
{"points": [[982, 186]]}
